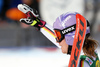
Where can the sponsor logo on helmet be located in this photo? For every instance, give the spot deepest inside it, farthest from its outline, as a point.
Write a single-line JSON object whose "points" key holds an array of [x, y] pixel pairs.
{"points": [[68, 30], [64, 22]]}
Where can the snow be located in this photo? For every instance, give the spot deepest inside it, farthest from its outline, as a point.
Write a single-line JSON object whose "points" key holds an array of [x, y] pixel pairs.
{"points": [[33, 57]]}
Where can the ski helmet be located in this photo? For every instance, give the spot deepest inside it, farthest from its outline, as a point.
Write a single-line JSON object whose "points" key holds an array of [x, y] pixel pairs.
{"points": [[67, 22]]}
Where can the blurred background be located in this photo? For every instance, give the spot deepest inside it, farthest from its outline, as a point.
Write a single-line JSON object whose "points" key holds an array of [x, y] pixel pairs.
{"points": [[24, 46]]}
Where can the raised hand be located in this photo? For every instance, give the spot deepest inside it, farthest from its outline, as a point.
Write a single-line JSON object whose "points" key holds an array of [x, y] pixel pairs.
{"points": [[32, 16]]}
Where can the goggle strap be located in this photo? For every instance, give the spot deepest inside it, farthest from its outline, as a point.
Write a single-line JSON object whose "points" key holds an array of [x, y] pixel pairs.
{"points": [[88, 24], [68, 29]]}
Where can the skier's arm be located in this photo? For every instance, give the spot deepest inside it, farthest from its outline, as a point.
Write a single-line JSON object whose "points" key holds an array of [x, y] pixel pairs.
{"points": [[48, 31], [33, 20]]}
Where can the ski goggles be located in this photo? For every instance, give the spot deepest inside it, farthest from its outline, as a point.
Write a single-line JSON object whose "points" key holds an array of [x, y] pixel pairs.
{"points": [[61, 33]]}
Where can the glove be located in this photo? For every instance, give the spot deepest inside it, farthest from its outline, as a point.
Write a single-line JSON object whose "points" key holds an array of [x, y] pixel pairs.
{"points": [[32, 16]]}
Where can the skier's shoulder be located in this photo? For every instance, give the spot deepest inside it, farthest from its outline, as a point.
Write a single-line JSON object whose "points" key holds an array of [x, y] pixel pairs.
{"points": [[83, 63], [86, 59]]}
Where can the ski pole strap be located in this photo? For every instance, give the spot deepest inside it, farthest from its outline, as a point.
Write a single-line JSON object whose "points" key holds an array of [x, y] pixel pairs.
{"points": [[34, 22], [38, 23]]}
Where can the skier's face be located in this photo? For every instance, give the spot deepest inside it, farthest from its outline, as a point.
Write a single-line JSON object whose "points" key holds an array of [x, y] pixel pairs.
{"points": [[64, 46]]}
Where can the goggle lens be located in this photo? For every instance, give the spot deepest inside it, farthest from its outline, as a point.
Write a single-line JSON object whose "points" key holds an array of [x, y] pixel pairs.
{"points": [[58, 35]]}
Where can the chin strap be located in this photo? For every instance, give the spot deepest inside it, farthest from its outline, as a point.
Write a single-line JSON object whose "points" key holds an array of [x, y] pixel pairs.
{"points": [[69, 49]]}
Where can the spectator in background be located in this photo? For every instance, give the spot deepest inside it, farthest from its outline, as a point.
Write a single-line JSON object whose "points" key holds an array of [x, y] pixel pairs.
{"points": [[4, 9], [13, 14], [1, 4]]}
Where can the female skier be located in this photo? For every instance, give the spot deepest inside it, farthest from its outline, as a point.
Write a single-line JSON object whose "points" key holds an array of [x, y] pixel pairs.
{"points": [[63, 33]]}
